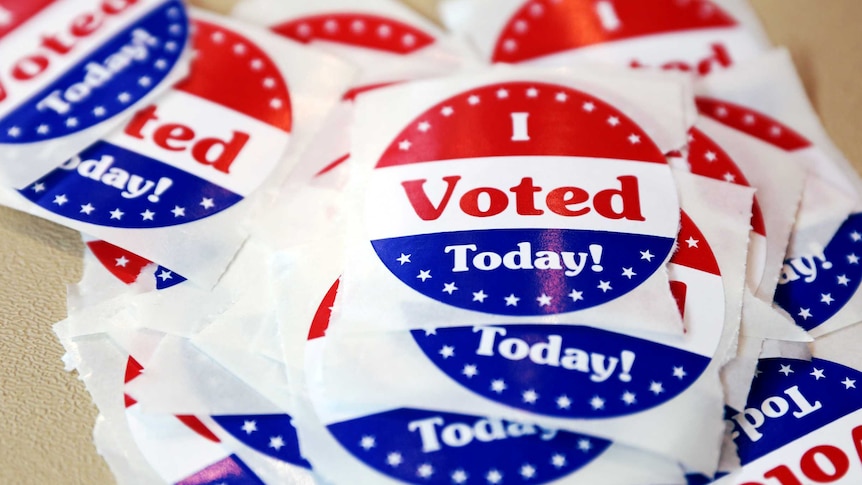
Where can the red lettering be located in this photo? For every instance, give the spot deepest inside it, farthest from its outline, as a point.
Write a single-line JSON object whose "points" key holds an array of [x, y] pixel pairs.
{"points": [[173, 132], [857, 441], [628, 198], [676, 66], [113, 7], [560, 201], [203, 151], [837, 458], [783, 474], [720, 56], [141, 118], [498, 201], [30, 67], [54, 43], [3, 93], [85, 24], [525, 200], [423, 207]]}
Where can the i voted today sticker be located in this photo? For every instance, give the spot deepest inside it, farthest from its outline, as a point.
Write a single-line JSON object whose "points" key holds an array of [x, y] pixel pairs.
{"points": [[71, 70], [522, 198], [584, 372], [202, 148]]}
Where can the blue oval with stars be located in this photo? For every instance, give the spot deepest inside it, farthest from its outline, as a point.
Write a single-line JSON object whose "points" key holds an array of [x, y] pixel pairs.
{"points": [[108, 185], [815, 288], [419, 446], [562, 371], [106, 82], [270, 434]]}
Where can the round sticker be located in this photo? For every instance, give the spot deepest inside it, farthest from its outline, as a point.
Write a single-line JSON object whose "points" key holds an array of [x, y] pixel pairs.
{"points": [[55, 90], [204, 147], [752, 123], [522, 199], [357, 30], [128, 267], [543, 27], [583, 372], [184, 450], [814, 288], [802, 423]]}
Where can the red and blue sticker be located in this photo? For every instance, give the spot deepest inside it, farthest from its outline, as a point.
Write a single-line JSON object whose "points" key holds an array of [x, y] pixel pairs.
{"points": [[198, 151], [522, 199]]}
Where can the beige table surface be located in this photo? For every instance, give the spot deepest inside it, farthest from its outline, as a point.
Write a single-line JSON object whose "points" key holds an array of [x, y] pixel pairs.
{"points": [[46, 416]]}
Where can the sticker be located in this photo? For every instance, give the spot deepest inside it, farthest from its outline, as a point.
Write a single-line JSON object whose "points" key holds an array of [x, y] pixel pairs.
{"points": [[479, 218], [59, 82], [579, 371], [128, 267], [200, 150], [358, 30], [752, 123], [816, 287], [802, 424]]}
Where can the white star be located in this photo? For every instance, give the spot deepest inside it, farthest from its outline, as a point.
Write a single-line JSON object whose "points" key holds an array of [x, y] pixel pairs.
{"points": [[597, 403], [721, 111], [748, 119], [160, 64], [826, 298], [473, 100], [498, 385], [470, 370], [447, 351], [124, 97], [532, 93], [276, 442], [166, 275], [425, 470], [121, 262], [775, 131], [584, 445], [43, 129], [404, 145], [148, 215], [494, 476], [14, 132], [510, 45], [480, 296], [786, 370], [589, 107], [634, 139], [848, 383], [447, 111], [217, 37], [711, 156], [459, 476], [449, 288], [855, 236], [384, 31], [179, 211], [207, 203], [87, 209], [530, 396], [249, 427], [40, 187], [430, 331], [512, 300], [558, 460], [629, 398], [656, 388], [268, 82], [852, 259], [563, 402], [605, 286], [502, 94], [99, 111], [175, 29], [424, 126], [256, 64], [145, 81], [561, 97], [843, 280], [276, 103], [629, 273], [239, 49], [117, 214], [647, 255], [424, 275], [805, 313], [170, 46], [367, 442], [404, 258], [679, 372], [71, 122], [394, 459], [729, 177], [692, 242], [576, 295], [818, 374], [528, 471], [60, 199], [358, 26], [544, 300], [613, 121]]}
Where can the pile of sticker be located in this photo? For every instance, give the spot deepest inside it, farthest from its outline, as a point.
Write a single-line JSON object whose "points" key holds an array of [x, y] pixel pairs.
{"points": [[567, 242]]}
